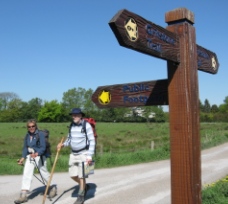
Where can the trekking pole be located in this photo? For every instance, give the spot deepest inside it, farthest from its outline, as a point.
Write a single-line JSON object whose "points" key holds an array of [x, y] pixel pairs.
{"points": [[39, 173], [52, 171], [39, 180], [36, 176]]}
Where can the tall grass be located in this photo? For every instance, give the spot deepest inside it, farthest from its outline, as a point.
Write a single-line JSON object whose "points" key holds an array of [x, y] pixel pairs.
{"points": [[118, 143]]}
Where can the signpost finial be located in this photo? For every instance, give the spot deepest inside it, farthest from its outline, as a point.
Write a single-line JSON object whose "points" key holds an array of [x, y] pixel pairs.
{"points": [[179, 15]]}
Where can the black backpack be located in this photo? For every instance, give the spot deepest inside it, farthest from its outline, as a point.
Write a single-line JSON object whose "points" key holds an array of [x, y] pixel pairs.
{"points": [[47, 152]]}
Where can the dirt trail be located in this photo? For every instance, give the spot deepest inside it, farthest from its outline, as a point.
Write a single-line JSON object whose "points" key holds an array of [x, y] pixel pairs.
{"points": [[137, 184]]}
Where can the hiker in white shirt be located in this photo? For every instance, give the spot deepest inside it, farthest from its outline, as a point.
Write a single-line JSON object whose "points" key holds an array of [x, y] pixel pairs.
{"points": [[82, 143]]}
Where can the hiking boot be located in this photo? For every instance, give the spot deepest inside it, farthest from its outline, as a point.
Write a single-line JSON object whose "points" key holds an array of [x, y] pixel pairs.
{"points": [[52, 192], [80, 199], [22, 199]]}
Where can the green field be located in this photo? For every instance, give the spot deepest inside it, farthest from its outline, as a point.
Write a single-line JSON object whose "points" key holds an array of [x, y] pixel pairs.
{"points": [[118, 143]]}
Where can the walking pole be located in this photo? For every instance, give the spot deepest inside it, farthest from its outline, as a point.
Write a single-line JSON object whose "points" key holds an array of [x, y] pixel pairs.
{"points": [[39, 172], [36, 176], [52, 171]]}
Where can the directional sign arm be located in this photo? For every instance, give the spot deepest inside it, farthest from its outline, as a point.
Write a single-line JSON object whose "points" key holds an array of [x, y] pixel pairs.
{"points": [[207, 60], [134, 32], [132, 94]]}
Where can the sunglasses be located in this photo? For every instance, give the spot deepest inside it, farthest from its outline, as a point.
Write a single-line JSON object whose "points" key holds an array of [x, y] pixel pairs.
{"points": [[31, 126]]}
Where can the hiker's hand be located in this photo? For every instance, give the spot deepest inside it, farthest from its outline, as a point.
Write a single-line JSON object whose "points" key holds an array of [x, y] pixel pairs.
{"points": [[34, 155], [20, 161], [59, 146], [89, 160]]}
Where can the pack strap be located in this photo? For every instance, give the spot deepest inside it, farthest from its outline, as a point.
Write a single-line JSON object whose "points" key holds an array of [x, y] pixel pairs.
{"points": [[83, 130]]}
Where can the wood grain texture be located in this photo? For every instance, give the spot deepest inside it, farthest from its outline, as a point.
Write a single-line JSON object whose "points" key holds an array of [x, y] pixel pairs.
{"points": [[184, 119]]}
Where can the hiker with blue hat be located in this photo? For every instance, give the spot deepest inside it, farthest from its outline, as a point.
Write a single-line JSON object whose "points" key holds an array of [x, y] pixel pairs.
{"points": [[81, 140]]}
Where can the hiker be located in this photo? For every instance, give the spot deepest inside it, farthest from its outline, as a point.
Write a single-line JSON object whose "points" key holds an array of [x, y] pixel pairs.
{"points": [[82, 150], [33, 154]]}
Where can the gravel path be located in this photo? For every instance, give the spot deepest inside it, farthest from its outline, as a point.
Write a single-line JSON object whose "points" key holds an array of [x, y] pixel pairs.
{"points": [[137, 184]]}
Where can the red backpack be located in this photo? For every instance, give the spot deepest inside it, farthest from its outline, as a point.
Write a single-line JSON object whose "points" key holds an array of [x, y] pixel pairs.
{"points": [[92, 122]]}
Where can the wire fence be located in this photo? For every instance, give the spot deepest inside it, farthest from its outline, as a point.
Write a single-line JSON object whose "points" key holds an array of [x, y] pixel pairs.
{"points": [[99, 150]]}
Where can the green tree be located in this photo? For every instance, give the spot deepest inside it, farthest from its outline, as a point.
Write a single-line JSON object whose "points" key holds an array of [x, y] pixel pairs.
{"points": [[81, 98], [6, 97], [5, 116], [149, 112], [120, 113], [13, 111], [51, 112], [108, 115], [214, 108], [75, 97], [223, 108], [1, 104], [154, 113], [160, 115], [201, 106], [31, 109], [207, 106], [89, 107], [226, 100]]}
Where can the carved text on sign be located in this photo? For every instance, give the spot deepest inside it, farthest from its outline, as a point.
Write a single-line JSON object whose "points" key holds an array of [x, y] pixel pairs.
{"points": [[135, 88]]}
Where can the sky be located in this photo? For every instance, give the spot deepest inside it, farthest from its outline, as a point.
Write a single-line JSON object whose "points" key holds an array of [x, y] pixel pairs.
{"points": [[48, 47]]}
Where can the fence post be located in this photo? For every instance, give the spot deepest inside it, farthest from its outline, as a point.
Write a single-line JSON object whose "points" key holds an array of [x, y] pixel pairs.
{"points": [[101, 149], [152, 145]]}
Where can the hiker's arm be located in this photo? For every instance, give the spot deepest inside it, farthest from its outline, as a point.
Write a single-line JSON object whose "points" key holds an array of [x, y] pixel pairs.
{"points": [[64, 144], [25, 149], [24, 152], [61, 145]]}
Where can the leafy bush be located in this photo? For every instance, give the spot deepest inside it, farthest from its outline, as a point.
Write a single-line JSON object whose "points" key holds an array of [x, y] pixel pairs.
{"points": [[216, 193]]}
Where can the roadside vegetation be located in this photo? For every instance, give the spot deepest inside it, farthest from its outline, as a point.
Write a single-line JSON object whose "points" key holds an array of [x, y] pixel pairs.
{"points": [[118, 144], [216, 192]]}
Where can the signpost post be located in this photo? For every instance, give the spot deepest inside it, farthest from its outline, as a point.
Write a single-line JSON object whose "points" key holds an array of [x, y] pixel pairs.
{"points": [[177, 45]]}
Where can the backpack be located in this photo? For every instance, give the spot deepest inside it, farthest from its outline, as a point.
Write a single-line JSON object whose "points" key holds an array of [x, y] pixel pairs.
{"points": [[47, 152], [92, 122]]}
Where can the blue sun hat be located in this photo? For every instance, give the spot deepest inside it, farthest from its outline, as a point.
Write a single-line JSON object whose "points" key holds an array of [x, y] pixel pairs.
{"points": [[76, 111]]}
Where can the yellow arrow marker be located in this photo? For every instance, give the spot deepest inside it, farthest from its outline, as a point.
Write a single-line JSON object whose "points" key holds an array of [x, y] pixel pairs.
{"points": [[104, 97]]}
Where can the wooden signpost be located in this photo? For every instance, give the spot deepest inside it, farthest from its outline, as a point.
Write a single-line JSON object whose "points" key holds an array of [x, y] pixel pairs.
{"points": [[177, 45]]}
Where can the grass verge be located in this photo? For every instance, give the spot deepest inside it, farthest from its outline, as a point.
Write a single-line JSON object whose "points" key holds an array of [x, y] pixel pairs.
{"points": [[216, 193]]}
